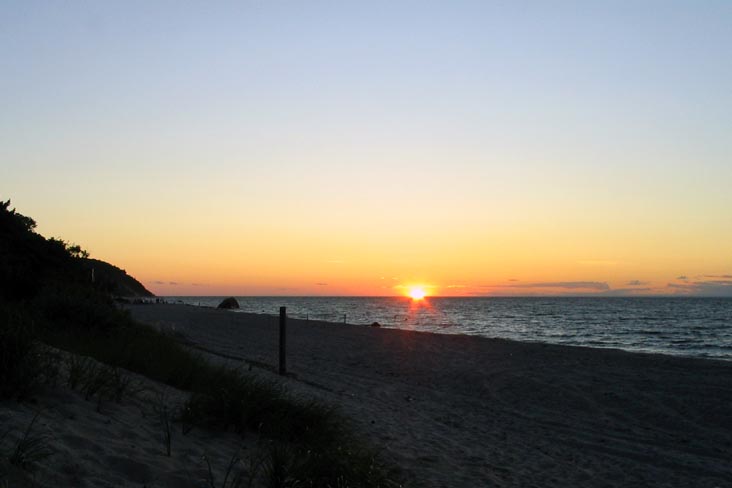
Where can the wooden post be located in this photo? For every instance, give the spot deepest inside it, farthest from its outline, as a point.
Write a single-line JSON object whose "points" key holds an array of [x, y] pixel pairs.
{"points": [[283, 341]]}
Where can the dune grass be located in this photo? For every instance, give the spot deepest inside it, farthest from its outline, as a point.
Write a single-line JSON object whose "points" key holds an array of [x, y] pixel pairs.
{"points": [[165, 421], [30, 447], [98, 380], [19, 365], [237, 474], [25, 363]]}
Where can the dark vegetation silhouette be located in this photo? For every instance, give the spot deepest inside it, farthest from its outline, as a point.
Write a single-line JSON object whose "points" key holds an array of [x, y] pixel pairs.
{"points": [[48, 300], [30, 263]]}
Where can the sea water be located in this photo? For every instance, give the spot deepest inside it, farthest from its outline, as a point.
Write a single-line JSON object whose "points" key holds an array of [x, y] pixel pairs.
{"points": [[700, 327]]}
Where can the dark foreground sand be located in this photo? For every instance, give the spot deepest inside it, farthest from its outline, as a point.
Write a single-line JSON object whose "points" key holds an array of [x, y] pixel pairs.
{"points": [[470, 412]]}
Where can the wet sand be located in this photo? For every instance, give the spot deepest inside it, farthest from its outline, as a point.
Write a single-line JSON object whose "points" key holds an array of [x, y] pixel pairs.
{"points": [[465, 411]]}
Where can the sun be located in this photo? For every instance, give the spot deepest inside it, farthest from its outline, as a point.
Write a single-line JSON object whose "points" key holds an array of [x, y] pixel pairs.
{"points": [[417, 293]]}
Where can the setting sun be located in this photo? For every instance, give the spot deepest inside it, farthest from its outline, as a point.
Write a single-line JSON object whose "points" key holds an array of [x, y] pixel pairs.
{"points": [[417, 293]]}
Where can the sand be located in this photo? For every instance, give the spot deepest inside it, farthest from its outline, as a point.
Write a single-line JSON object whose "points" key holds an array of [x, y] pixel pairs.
{"points": [[452, 411], [464, 411], [109, 444]]}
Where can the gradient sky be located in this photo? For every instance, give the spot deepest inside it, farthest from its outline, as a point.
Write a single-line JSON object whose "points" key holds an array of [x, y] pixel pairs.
{"points": [[355, 148]]}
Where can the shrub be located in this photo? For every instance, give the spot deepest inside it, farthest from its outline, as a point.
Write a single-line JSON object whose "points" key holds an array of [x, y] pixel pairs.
{"points": [[21, 357], [66, 305]]}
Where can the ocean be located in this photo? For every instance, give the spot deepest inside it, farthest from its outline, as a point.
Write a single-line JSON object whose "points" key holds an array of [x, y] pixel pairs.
{"points": [[700, 327]]}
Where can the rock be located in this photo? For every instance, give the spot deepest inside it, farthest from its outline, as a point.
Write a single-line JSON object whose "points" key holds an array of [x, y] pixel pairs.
{"points": [[229, 303], [375, 324]]}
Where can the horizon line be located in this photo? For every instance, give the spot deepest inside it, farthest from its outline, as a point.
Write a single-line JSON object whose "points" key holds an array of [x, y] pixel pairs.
{"points": [[406, 297]]}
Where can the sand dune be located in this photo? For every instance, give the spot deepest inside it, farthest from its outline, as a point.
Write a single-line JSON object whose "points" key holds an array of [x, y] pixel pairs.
{"points": [[468, 411], [109, 444]]}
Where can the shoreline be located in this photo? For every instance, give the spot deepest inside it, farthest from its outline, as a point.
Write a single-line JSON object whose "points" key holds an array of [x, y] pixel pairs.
{"points": [[462, 410], [649, 351]]}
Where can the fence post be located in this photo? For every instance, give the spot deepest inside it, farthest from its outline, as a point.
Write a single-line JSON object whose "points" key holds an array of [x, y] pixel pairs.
{"points": [[283, 340]]}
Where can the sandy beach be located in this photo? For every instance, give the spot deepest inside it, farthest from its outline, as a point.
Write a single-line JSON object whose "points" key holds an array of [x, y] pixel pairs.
{"points": [[464, 411]]}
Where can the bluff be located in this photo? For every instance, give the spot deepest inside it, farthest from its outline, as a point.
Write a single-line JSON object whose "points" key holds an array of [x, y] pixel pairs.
{"points": [[33, 267], [113, 280]]}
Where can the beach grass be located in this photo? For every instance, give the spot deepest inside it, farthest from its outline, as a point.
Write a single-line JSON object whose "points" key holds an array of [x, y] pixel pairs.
{"points": [[98, 380], [24, 362], [165, 419], [236, 475], [31, 447]]}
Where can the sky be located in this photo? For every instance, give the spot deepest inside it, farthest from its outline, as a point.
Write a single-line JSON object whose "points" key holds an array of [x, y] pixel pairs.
{"points": [[360, 148]]}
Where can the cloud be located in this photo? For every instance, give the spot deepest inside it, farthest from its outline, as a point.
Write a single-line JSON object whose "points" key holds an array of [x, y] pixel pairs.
{"points": [[624, 292], [636, 283], [197, 284], [159, 282], [322, 284], [682, 277], [679, 286], [544, 288], [724, 276], [710, 288], [568, 285]]}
